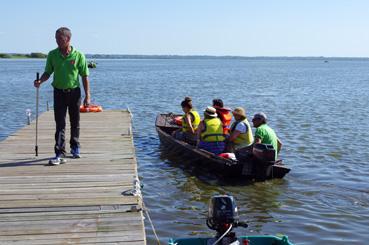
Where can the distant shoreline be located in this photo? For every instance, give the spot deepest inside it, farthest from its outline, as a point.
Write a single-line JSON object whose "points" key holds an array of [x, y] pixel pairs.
{"points": [[22, 56], [132, 56], [129, 56]]}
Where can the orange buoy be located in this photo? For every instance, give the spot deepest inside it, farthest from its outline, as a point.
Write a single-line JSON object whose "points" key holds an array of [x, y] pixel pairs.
{"points": [[178, 120], [227, 155], [90, 108]]}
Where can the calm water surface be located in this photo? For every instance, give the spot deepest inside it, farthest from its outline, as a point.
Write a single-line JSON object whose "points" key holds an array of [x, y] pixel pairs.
{"points": [[320, 111]]}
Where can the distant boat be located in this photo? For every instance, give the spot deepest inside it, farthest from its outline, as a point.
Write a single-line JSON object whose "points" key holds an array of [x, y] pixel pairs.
{"points": [[326, 61], [91, 64]]}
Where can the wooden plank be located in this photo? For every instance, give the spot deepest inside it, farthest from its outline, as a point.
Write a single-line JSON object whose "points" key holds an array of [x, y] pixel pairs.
{"points": [[34, 186], [76, 214], [125, 237], [81, 202], [76, 227], [58, 196], [121, 219], [126, 208]]}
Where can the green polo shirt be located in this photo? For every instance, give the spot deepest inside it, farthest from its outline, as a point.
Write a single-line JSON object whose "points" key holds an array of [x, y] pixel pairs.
{"points": [[267, 136], [66, 69]]}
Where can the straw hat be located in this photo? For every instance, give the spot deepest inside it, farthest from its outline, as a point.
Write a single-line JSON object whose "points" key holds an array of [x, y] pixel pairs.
{"points": [[239, 111], [211, 111]]}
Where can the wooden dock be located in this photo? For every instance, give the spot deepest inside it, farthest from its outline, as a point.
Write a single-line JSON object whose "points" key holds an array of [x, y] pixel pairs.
{"points": [[86, 200]]}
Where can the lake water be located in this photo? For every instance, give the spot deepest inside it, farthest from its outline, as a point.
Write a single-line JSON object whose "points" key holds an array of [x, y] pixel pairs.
{"points": [[319, 110]]}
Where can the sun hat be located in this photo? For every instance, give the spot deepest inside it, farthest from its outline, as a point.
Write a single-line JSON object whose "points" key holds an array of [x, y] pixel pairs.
{"points": [[211, 111], [260, 115], [239, 111]]}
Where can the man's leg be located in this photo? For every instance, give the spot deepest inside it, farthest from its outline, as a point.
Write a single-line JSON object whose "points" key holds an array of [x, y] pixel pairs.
{"points": [[60, 111], [74, 117]]}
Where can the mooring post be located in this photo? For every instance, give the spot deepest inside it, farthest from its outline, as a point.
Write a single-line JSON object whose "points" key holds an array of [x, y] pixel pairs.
{"points": [[28, 114]]}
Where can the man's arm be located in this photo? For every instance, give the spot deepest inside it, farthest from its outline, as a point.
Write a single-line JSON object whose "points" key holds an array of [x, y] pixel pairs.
{"points": [[234, 135], [259, 135], [240, 128], [86, 86], [200, 128], [257, 141], [188, 120], [279, 145], [44, 77]]}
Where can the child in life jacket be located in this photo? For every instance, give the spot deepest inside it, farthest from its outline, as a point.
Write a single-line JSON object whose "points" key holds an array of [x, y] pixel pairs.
{"points": [[224, 115]]}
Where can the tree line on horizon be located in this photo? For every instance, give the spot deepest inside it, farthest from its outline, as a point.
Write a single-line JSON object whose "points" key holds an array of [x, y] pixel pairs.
{"points": [[14, 55]]}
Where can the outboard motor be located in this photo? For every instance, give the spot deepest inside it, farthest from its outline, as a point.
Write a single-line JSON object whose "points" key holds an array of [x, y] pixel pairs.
{"points": [[222, 212], [222, 217]]}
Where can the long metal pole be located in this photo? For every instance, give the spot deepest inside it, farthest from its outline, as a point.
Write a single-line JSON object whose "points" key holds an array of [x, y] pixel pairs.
{"points": [[37, 94]]}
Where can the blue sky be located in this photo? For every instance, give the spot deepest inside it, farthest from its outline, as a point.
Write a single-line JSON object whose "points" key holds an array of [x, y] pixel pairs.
{"points": [[190, 27]]}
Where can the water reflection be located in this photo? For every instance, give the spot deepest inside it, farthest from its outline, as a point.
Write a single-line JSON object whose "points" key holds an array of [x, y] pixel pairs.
{"points": [[256, 200]]}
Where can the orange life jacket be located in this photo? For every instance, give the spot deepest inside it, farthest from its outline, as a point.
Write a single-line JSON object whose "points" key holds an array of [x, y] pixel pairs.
{"points": [[178, 120], [225, 116]]}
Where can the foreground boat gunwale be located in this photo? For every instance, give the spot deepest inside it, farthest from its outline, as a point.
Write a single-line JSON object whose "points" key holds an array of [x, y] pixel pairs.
{"points": [[254, 239]]}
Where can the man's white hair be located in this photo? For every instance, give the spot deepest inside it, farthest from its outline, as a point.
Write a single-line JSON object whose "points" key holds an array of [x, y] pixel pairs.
{"points": [[64, 31]]}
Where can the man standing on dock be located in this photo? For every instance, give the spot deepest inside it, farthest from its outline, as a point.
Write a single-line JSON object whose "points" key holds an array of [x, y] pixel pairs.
{"points": [[67, 64]]}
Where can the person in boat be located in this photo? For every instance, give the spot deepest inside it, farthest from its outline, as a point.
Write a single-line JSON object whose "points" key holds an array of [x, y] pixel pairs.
{"points": [[190, 121], [240, 131], [224, 114], [210, 132], [265, 134]]}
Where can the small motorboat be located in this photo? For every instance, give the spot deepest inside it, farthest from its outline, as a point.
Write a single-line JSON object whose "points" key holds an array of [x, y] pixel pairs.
{"points": [[91, 64], [223, 217], [255, 165]]}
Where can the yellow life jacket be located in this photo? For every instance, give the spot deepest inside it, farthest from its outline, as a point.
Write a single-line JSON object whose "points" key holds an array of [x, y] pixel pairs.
{"points": [[213, 131], [195, 121], [243, 139]]}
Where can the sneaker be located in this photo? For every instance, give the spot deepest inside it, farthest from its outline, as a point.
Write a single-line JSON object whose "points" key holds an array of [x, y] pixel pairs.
{"points": [[58, 159], [75, 152]]}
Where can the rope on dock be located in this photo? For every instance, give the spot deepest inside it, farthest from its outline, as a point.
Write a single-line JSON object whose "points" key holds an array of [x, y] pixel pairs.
{"points": [[136, 191], [150, 221]]}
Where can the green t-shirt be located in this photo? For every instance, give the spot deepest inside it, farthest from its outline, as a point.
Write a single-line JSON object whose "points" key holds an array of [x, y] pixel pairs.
{"points": [[66, 69], [267, 136]]}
